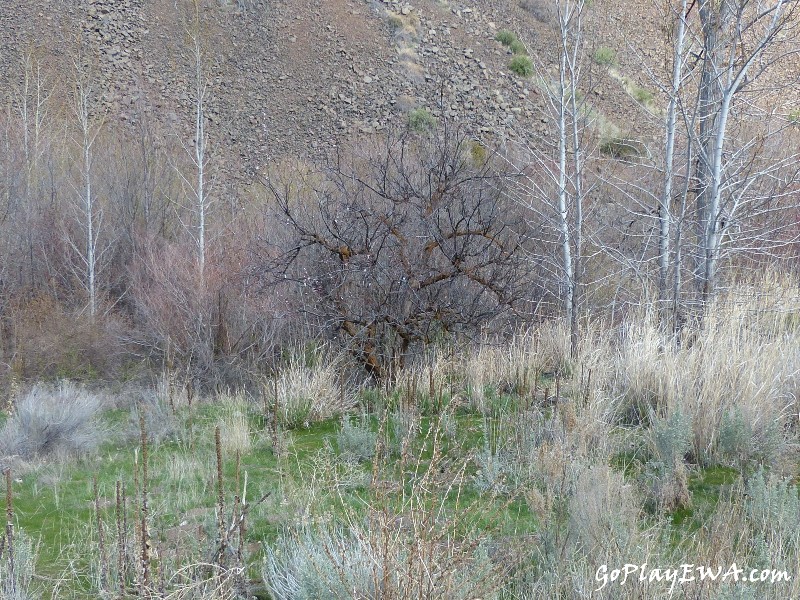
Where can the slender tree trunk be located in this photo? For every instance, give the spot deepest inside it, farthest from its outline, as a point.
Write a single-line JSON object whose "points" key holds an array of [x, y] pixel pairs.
{"points": [[200, 155], [664, 213], [563, 215], [577, 121], [90, 232]]}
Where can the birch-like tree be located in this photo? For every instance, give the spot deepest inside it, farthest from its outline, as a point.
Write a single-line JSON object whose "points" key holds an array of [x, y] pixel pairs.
{"points": [[197, 183], [725, 175], [88, 124], [740, 39], [555, 187]]}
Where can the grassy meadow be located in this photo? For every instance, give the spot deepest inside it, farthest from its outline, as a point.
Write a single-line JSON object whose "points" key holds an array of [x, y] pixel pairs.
{"points": [[506, 469]]}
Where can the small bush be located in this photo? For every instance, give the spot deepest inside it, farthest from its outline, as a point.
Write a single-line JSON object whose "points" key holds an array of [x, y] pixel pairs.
{"points": [[669, 485], [605, 56], [159, 421], [517, 47], [405, 424], [672, 438], [742, 445], [521, 65], [421, 120], [380, 560], [772, 506], [620, 148], [494, 470], [794, 117], [356, 440], [58, 421], [505, 37], [478, 153], [395, 22], [641, 95], [16, 584], [602, 509]]}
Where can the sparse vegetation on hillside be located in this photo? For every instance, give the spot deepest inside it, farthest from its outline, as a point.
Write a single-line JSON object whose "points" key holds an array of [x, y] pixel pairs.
{"points": [[605, 56], [421, 120]]}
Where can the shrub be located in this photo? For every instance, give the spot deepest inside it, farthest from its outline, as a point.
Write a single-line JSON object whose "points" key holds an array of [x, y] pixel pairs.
{"points": [[605, 56], [421, 120], [405, 424], [602, 509], [517, 47], [641, 95], [16, 584], [742, 444], [505, 37], [53, 421], [620, 148], [478, 153], [772, 506], [356, 440], [521, 65], [159, 421], [395, 22], [672, 438], [495, 468]]}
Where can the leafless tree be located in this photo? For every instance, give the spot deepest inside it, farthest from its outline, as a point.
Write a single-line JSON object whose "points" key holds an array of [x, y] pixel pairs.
{"points": [[88, 119], [400, 247], [199, 188], [554, 185], [740, 40]]}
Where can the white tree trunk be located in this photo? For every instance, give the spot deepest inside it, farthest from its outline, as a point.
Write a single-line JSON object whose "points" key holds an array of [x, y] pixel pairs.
{"points": [[664, 212]]}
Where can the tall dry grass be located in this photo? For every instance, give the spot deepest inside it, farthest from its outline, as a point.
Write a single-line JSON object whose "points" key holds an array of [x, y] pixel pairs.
{"points": [[309, 389]]}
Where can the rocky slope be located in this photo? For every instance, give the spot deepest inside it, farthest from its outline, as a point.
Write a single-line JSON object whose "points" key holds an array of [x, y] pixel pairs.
{"points": [[297, 76]]}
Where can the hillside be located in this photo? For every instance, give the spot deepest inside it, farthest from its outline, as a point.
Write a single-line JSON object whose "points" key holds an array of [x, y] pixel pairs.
{"points": [[294, 77]]}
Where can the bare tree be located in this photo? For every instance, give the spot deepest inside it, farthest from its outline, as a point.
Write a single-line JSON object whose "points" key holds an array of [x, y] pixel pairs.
{"points": [[740, 41], [90, 212], [665, 215], [554, 186], [399, 248], [721, 182], [199, 187]]}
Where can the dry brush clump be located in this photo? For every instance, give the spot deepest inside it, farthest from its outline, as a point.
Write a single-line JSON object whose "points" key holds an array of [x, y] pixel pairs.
{"points": [[310, 388], [735, 363], [56, 421]]}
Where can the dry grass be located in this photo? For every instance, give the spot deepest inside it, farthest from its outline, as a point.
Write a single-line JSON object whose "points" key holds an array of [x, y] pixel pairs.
{"points": [[235, 426], [311, 390]]}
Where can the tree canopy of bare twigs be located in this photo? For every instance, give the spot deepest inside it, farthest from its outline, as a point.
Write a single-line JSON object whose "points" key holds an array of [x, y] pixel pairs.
{"points": [[401, 245]]}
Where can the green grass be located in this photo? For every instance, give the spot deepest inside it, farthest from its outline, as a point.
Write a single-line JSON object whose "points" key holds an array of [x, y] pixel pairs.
{"points": [[517, 47], [506, 37], [605, 56], [706, 487], [447, 477], [521, 65], [54, 503]]}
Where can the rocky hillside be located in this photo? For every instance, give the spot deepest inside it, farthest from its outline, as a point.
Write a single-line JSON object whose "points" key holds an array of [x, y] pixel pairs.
{"points": [[295, 76]]}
